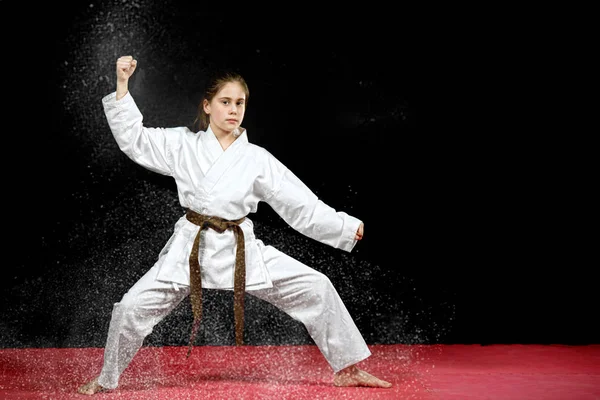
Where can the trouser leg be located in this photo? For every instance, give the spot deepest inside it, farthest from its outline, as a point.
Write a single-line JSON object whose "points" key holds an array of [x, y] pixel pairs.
{"points": [[309, 296], [146, 303]]}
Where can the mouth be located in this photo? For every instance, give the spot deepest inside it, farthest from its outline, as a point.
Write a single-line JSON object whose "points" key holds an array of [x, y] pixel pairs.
{"points": [[232, 121]]}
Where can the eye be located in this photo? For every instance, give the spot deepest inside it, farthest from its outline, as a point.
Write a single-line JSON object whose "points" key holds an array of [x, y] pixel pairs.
{"points": [[225, 102]]}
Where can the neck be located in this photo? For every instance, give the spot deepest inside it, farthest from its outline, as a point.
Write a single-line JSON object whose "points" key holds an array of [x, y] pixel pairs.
{"points": [[225, 138]]}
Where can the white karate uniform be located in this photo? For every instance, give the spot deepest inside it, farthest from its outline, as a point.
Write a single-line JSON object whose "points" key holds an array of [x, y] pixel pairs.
{"points": [[228, 184]]}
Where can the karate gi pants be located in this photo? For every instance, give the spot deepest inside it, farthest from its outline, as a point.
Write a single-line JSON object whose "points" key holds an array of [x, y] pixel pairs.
{"points": [[303, 293]]}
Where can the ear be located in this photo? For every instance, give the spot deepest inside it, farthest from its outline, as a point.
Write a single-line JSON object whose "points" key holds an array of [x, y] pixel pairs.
{"points": [[206, 106]]}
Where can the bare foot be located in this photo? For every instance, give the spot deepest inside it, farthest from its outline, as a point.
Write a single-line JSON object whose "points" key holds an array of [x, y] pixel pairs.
{"points": [[92, 387], [353, 376]]}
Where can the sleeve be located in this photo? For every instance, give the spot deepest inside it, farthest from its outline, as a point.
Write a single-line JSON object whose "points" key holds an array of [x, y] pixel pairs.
{"points": [[147, 147], [300, 208]]}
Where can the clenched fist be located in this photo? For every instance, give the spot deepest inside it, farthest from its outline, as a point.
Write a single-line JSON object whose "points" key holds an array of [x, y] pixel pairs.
{"points": [[360, 232], [125, 68]]}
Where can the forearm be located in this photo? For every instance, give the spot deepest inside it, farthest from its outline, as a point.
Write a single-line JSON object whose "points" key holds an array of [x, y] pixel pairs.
{"points": [[122, 88]]}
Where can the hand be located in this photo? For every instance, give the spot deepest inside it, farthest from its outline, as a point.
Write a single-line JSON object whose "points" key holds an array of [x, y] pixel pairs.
{"points": [[125, 67], [360, 232]]}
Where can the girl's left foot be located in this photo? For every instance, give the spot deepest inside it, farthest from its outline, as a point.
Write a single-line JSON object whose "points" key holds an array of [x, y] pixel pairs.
{"points": [[353, 376]]}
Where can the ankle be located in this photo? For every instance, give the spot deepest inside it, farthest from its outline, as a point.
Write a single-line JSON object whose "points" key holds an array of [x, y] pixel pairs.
{"points": [[348, 370]]}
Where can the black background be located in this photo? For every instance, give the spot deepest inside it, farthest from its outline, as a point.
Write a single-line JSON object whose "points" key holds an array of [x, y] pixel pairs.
{"points": [[468, 234]]}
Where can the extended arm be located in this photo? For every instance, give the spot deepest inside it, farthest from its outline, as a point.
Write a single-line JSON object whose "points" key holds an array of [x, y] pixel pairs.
{"points": [[306, 213]]}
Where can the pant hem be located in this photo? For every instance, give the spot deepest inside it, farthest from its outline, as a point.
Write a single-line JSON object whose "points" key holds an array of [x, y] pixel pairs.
{"points": [[107, 386], [358, 359]]}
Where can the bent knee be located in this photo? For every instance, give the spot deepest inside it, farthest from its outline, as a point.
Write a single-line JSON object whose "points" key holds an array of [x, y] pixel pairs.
{"points": [[321, 288], [127, 302], [321, 280]]}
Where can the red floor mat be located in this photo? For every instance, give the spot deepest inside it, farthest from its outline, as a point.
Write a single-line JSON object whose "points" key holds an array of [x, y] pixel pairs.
{"points": [[511, 372]]}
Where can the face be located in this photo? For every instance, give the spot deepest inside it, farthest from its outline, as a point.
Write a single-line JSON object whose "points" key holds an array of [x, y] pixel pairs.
{"points": [[226, 109]]}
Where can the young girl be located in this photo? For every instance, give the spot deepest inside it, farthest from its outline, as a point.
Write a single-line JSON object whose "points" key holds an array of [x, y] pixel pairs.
{"points": [[220, 179]]}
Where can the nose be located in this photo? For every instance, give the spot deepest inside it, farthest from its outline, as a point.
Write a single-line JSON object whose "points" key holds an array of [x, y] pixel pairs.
{"points": [[233, 109]]}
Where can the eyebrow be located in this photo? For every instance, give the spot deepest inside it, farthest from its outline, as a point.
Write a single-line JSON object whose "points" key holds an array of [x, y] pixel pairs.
{"points": [[229, 98]]}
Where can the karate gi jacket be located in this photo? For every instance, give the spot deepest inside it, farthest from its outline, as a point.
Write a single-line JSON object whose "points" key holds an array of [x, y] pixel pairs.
{"points": [[225, 183]]}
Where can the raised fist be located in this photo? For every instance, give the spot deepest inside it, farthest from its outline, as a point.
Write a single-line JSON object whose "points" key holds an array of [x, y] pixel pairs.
{"points": [[125, 67]]}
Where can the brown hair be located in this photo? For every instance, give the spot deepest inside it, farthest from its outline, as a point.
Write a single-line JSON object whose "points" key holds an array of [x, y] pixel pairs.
{"points": [[213, 86]]}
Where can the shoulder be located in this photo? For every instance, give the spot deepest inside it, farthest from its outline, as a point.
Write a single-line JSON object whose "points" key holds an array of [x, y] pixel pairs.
{"points": [[184, 133], [265, 159], [257, 150], [260, 153], [184, 130], [180, 136]]}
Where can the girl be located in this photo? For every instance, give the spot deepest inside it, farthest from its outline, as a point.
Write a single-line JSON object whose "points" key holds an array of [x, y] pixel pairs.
{"points": [[220, 178]]}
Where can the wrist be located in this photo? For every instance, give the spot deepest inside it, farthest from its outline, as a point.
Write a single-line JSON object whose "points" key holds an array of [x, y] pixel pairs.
{"points": [[122, 89]]}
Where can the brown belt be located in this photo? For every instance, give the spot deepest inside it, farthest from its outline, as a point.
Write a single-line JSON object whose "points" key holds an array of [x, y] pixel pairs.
{"points": [[239, 284]]}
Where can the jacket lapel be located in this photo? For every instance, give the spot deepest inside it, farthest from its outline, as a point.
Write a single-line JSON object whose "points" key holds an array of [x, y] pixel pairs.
{"points": [[221, 159]]}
